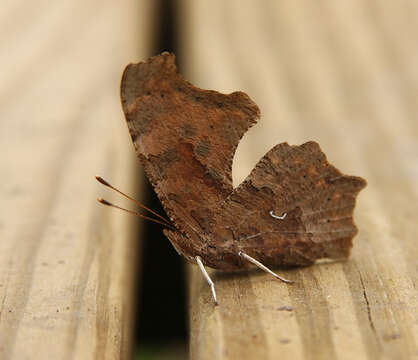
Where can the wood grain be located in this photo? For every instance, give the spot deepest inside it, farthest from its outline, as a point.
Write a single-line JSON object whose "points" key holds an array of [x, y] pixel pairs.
{"points": [[66, 263], [343, 74]]}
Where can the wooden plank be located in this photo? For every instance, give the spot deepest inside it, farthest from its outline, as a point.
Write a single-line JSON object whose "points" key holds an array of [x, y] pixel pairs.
{"points": [[66, 263], [344, 74]]}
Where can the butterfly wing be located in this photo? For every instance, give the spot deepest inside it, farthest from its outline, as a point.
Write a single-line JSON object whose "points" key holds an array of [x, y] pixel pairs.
{"points": [[185, 138], [314, 199]]}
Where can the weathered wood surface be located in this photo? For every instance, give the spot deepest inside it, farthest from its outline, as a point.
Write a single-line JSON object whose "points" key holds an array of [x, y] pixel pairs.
{"points": [[346, 75], [65, 261]]}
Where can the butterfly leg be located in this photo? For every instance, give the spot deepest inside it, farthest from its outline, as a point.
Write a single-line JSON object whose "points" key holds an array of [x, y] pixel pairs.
{"points": [[262, 267], [208, 279]]}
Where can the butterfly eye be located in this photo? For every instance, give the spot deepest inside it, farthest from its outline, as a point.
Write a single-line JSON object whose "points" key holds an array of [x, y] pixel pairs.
{"points": [[281, 217]]}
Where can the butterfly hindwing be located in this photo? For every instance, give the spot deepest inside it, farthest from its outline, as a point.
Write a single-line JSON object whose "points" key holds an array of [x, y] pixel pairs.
{"points": [[293, 209]]}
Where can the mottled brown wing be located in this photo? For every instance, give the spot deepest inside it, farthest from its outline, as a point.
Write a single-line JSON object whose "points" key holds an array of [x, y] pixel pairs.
{"points": [[297, 181], [185, 138]]}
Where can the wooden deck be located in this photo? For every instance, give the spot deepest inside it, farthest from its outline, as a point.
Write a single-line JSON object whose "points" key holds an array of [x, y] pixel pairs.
{"points": [[65, 262], [342, 73]]}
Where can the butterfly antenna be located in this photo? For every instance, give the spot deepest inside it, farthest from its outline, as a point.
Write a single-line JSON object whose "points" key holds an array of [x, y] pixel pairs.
{"points": [[105, 183], [107, 203]]}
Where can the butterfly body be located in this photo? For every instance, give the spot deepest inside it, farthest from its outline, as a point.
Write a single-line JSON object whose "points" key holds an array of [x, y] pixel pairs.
{"points": [[186, 137]]}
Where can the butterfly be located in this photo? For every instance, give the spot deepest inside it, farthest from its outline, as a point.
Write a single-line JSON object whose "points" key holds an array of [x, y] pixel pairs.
{"points": [[293, 209]]}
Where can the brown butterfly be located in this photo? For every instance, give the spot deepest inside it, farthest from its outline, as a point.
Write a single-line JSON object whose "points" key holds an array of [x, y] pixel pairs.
{"points": [[293, 208]]}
